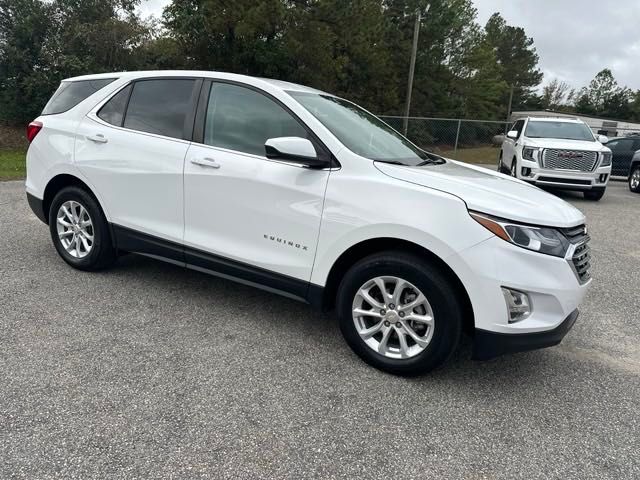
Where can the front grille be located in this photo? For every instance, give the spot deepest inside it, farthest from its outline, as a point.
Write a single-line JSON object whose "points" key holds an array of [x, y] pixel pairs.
{"points": [[581, 259], [569, 160]]}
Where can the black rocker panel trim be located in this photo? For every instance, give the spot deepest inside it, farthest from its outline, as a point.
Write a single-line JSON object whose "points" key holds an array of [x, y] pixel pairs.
{"points": [[137, 242]]}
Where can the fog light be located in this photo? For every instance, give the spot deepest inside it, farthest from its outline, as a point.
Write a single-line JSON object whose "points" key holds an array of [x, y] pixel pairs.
{"points": [[603, 178], [526, 171], [518, 304]]}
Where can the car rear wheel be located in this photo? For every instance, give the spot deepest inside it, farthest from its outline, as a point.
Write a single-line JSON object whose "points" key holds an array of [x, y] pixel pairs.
{"points": [[80, 231], [399, 313], [594, 194], [634, 179]]}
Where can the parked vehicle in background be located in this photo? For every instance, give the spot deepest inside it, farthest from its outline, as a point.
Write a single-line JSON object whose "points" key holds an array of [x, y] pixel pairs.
{"points": [[623, 149], [558, 153], [296, 191], [634, 173]]}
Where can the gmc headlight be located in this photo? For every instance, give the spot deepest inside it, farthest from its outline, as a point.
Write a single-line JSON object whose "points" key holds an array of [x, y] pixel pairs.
{"points": [[606, 159], [539, 239], [530, 153]]}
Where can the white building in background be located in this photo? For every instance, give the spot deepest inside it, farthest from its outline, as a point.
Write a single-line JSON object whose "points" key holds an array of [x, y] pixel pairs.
{"points": [[601, 126]]}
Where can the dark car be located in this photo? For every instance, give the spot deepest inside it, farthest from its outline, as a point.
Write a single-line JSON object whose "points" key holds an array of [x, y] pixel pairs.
{"points": [[623, 149]]}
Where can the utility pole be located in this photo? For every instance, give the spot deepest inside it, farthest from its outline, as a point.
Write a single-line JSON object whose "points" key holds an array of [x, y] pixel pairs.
{"points": [[509, 108], [412, 67]]}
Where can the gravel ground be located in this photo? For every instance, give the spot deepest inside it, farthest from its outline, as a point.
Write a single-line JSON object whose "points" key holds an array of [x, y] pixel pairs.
{"points": [[148, 370]]}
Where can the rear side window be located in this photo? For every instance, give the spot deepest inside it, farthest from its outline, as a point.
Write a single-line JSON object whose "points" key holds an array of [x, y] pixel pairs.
{"points": [[70, 94], [159, 106], [113, 111]]}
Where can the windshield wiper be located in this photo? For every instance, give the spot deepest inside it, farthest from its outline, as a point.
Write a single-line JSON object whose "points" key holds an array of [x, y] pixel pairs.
{"points": [[431, 161], [392, 162]]}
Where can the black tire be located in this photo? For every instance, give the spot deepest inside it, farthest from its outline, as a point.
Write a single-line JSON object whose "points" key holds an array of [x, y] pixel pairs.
{"points": [[513, 171], [594, 195], [500, 166], [441, 295], [634, 171], [102, 253]]}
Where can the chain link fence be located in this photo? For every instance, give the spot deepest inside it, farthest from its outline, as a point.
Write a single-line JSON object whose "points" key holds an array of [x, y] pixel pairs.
{"points": [[479, 141], [474, 141]]}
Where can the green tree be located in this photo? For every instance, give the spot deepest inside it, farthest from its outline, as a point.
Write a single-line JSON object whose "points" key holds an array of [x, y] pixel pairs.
{"points": [[25, 26], [604, 97], [517, 56], [42, 43]]}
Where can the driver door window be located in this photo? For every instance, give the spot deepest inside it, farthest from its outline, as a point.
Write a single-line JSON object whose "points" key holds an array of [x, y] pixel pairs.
{"points": [[518, 127]]}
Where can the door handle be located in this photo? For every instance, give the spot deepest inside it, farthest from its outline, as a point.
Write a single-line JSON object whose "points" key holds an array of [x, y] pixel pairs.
{"points": [[205, 162], [99, 138]]}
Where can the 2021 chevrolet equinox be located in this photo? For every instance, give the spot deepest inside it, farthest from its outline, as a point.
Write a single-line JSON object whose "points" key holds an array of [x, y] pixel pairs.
{"points": [[303, 193]]}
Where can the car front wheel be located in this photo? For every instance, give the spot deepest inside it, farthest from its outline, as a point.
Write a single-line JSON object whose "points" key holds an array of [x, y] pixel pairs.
{"points": [[399, 313], [80, 231], [634, 180]]}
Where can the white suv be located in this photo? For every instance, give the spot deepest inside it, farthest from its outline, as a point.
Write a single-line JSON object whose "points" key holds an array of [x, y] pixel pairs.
{"points": [[305, 194], [557, 153]]}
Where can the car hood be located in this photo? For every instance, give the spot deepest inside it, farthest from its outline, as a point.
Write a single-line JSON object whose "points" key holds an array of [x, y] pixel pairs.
{"points": [[563, 144], [490, 192]]}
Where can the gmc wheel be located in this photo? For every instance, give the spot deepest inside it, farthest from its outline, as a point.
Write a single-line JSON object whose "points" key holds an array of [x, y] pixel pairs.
{"points": [[399, 313]]}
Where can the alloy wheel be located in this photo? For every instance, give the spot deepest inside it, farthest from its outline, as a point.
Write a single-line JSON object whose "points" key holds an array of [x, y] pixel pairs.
{"points": [[393, 317], [635, 179], [75, 229]]}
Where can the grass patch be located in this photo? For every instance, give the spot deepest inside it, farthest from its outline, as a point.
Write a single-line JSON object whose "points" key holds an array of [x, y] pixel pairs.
{"points": [[12, 164], [483, 155]]}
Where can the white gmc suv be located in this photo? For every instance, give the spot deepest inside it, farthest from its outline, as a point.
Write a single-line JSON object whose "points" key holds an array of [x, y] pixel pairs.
{"points": [[305, 194], [557, 153]]}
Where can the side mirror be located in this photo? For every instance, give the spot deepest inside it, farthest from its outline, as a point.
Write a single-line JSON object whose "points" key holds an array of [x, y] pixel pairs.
{"points": [[513, 134], [293, 149], [603, 139]]}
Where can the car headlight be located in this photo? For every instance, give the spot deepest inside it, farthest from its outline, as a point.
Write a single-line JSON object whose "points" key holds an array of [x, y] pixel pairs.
{"points": [[530, 153], [546, 240], [606, 159]]}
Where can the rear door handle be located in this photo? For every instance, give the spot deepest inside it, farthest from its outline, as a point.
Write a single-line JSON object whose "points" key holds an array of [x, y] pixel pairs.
{"points": [[99, 138], [205, 162]]}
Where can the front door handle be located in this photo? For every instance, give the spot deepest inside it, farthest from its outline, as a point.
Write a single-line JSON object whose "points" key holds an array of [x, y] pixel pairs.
{"points": [[205, 162], [98, 138]]}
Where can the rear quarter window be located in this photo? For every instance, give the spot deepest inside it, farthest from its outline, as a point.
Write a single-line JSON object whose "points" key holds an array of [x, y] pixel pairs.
{"points": [[70, 94]]}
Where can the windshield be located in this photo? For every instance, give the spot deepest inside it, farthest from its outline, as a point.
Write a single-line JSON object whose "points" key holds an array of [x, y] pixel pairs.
{"points": [[563, 130], [361, 132]]}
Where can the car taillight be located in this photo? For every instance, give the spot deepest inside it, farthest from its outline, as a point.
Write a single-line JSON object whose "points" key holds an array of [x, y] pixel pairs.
{"points": [[32, 130]]}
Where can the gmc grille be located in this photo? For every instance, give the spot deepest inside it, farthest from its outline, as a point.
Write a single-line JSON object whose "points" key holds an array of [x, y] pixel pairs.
{"points": [[569, 160]]}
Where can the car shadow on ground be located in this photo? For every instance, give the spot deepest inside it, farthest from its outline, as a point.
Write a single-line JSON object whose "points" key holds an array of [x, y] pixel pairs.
{"points": [[198, 288]]}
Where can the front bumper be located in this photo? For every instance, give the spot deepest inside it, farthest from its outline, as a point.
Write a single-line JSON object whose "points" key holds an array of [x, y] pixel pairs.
{"points": [[555, 292], [565, 179], [488, 345]]}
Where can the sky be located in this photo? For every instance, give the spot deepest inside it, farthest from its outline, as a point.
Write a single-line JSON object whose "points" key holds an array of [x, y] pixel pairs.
{"points": [[575, 39]]}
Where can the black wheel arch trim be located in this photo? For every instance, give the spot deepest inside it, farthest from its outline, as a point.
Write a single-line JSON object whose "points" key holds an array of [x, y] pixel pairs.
{"points": [[37, 207]]}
